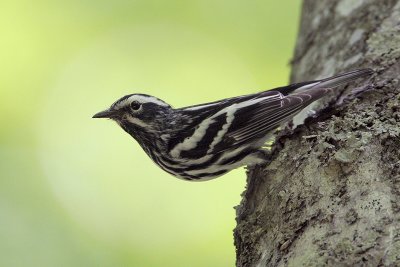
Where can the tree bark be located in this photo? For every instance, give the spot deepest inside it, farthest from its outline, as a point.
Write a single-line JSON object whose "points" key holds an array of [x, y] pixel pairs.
{"points": [[330, 196]]}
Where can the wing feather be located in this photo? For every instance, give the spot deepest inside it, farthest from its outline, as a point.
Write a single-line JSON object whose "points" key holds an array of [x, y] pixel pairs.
{"points": [[257, 121], [249, 118]]}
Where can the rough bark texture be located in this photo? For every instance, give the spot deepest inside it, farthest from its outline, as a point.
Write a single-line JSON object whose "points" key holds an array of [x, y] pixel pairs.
{"points": [[331, 194]]}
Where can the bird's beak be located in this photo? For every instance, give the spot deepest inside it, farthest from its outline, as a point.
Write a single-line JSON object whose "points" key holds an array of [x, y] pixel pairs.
{"points": [[105, 114]]}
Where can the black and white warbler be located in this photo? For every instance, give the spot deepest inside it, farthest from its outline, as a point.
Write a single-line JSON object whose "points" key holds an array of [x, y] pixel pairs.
{"points": [[204, 141]]}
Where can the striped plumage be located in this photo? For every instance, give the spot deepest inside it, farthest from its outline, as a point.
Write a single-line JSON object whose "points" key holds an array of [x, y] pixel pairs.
{"points": [[204, 141]]}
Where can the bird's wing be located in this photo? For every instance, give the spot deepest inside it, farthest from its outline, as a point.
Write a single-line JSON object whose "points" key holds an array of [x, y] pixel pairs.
{"points": [[230, 123], [237, 122], [205, 125], [255, 120]]}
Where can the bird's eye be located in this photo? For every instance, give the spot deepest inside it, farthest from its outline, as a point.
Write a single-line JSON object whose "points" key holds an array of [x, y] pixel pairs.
{"points": [[135, 105]]}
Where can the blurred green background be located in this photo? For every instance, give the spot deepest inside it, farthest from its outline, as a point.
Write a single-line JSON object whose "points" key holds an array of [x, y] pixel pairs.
{"points": [[75, 191]]}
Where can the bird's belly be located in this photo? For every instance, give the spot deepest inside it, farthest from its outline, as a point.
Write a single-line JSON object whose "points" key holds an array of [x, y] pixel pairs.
{"points": [[205, 168]]}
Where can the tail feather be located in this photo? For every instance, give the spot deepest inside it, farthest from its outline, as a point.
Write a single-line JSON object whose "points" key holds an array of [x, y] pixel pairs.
{"points": [[340, 79], [330, 82]]}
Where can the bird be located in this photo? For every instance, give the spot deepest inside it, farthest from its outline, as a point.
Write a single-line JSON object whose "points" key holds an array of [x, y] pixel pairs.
{"points": [[204, 141]]}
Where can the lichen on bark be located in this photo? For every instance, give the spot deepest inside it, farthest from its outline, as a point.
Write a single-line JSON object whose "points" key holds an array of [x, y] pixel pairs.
{"points": [[331, 194]]}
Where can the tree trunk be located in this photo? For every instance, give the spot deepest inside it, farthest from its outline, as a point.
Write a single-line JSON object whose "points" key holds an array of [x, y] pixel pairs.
{"points": [[330, 195]]}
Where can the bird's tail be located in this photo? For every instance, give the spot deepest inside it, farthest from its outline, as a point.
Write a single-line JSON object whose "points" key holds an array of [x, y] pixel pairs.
{"points": [[326, 83], [339, 79]]}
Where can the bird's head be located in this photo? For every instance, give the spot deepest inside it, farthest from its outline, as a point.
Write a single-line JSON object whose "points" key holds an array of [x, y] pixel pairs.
{"points": [[138, 113]]}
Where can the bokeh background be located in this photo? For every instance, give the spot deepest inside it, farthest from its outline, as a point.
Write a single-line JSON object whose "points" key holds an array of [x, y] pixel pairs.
{"points": [[75, 191]]}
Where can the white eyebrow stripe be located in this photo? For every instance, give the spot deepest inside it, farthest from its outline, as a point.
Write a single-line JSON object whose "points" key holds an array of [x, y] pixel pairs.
{"points": [[141, 99], [147, 99]]}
